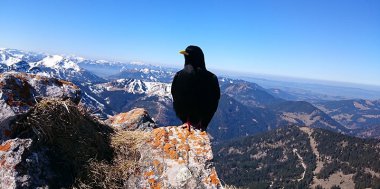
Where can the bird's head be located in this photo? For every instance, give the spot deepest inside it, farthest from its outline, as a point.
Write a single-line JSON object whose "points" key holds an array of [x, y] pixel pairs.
{"points": [[194, 56]]}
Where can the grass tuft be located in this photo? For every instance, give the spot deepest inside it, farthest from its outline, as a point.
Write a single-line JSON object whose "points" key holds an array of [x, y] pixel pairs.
{"points": [[72, 137], [115, 174]]}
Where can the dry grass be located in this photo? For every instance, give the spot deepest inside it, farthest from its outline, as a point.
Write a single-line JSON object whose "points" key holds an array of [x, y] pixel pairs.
{"points": [[72, 138], [125, 163], [84, 153]]}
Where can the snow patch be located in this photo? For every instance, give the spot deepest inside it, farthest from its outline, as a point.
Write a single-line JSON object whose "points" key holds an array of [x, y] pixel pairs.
{"points": [[57, 61]]}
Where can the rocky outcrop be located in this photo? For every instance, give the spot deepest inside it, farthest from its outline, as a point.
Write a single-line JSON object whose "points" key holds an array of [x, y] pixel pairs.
{"points": [[54, 143], [170, 157], [56, 147], [51, 147], [136, 119], [19, 92], [175, 157]]}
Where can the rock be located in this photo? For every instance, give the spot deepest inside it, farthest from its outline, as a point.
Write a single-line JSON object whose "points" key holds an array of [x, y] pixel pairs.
{"points": [[61, 147], [20, 91], [11, 153], [136, 119], [176, 158], [20, 167]]}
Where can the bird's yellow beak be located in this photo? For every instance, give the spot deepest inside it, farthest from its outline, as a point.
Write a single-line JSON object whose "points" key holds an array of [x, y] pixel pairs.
{"points": [[183, 52]]}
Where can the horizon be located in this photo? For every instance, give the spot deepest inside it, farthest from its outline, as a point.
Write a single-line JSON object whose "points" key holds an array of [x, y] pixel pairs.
{"points": [[243, 75], [326, 41]]}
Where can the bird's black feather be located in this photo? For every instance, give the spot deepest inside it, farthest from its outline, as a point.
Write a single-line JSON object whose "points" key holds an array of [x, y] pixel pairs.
{"points": [[195, 91]]}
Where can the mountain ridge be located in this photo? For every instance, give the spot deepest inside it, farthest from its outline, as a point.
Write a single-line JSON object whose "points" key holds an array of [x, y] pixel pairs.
{"points": [[48, 139], [138, 85], [316, 157]]}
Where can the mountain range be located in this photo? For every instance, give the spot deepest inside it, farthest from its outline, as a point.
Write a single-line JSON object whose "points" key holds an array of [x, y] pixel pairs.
{"points": [[275, 137], [111, 87]]}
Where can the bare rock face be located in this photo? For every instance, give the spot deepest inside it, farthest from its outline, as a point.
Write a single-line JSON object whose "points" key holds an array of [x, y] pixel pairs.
{"points": [[20, 167], [136, 119], [20, 91], [175, 157], [11, 153]]}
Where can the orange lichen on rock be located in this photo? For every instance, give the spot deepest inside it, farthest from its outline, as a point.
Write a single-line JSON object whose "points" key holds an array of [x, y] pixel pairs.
{"points": [[170, 151], [173, 141], [173, 154], [178, 158], [156, 143], [181, 137], [186, 147], [193, 137], [154, 184], [148, 174], [157, 185], [156, 163], [214, 178], [170, 133], [167, 147], [151, 181], [6, 146], [198, 151], [158, 166], [158, 134]]}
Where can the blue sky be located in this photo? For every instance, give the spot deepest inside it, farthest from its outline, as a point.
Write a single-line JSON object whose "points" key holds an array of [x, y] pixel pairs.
{"points": [[335, 40]]}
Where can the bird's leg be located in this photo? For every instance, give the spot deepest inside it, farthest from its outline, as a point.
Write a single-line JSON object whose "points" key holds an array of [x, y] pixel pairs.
{"points": [[199, 125], [188, 124]]}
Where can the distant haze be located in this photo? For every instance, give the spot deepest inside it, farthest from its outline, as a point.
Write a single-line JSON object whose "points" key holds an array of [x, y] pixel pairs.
{"points": [[277, 78]]}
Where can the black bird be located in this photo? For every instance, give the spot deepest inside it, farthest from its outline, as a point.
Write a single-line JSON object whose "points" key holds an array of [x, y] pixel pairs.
{"points": [[195, 90]]}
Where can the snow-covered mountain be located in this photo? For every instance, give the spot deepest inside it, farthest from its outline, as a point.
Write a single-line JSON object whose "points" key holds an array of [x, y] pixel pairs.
{"points": [[135, 70], [124, 94], [110, 87], [135, 86], [56, 66], [47, 65], [146, 74], [12, 56], [101, 94], [57, 62]]}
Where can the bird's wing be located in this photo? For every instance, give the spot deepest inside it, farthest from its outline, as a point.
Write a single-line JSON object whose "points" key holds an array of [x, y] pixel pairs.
{"points": [[216, 86], [174, 86], [214, 92], [177, 93]]}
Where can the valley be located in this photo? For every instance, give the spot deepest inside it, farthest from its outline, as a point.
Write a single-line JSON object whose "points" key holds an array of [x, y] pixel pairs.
{"points": [[275, 137]]}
